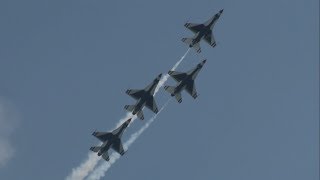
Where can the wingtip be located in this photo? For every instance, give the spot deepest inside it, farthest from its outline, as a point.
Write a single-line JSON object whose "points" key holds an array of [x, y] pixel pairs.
{"points": [[94, 132]]}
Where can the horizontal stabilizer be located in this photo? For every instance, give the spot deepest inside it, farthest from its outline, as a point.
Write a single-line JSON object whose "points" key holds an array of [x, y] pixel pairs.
{"points": [[178, 97], [140, 115], [170, 89], [196, 47], [105, 156], [95, 148], [129, 107], [188, 41]]}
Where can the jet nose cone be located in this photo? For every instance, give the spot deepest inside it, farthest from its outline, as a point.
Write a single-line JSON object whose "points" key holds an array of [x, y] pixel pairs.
{"points": [[129, 120], [159, 76], [221, 11]]}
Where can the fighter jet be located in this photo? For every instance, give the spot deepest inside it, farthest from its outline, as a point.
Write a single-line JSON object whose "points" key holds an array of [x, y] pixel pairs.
{"points": [[185, 81], [202, 31], [144, 97], [110, 140]]}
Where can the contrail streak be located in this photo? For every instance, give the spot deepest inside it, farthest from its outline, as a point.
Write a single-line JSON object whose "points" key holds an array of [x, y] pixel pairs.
{"points": [[83, 170], [101, 170]]}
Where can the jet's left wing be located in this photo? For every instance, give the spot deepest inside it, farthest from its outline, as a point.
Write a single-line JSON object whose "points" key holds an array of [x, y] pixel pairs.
{"points": [[194, 27], [191, 89], [102, 136], [117, 146], [210, 39], [178, 76], [135, 93], [151, 104]]}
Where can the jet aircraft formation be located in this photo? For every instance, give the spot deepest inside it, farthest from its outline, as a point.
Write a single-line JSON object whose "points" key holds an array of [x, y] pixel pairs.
{"points": [[145, 97]]}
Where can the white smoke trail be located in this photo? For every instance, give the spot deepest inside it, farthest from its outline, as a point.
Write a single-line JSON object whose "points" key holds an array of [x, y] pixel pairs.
{"points": [[101, 170], [166, 76], [83, 170], [9, 118]]}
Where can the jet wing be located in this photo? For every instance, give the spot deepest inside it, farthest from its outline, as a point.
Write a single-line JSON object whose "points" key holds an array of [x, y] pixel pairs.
{"points": [[210, 39], [135, 93], [191, 89], [194, 27], [151, 104], [178, 76], [117, 146], [102, 136]]}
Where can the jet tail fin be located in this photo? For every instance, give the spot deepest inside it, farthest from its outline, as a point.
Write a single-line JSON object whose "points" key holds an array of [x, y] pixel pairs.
{"points": [[95, 148], [129, 107], [189, 41]]}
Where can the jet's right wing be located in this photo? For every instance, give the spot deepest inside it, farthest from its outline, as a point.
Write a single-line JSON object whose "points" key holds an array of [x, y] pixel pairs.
{"points": [[102, 136], [210, 39], [178, 76], [151, 104], [191, 89], [135, 93], [117, 146], [194, 27]]}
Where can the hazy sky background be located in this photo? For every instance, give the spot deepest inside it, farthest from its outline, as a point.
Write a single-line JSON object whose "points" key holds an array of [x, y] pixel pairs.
{"points": [[65, 66]]}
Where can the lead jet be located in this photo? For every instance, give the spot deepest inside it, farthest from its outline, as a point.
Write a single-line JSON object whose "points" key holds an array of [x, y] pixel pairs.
{"points": [[185, 81], [144, 97], [202, 31], [110, 140]]}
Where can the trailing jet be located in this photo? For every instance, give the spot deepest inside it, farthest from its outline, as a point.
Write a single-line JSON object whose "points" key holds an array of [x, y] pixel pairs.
{"points": [[110, 140], [144, 97], [185, 81], [202, 31]]}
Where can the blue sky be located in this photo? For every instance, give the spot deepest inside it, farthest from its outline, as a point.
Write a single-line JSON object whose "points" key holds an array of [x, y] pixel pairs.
{"points": [[65, 66]]}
